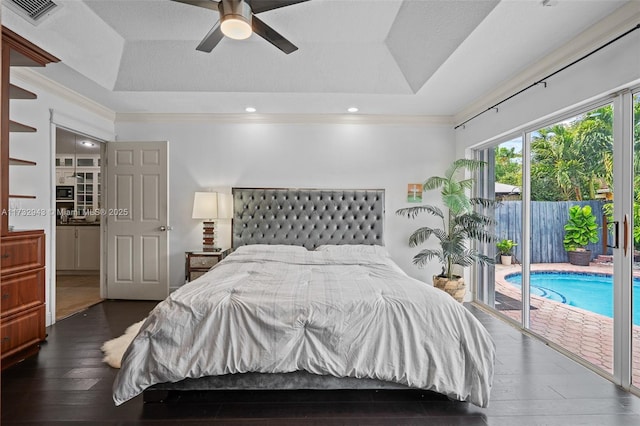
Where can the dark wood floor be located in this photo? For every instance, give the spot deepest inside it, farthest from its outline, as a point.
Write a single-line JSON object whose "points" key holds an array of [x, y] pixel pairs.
{"points": [[67, 384]]}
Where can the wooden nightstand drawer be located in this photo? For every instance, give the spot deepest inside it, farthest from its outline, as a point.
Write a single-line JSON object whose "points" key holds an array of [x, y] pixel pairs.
{"points": [[21, 253], [196, 274], [199, 262], [22, 331], [202, 261], [22, 291]]}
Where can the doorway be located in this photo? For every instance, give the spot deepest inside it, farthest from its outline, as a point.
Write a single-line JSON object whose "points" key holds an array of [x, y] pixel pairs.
{"points": [[78, 165]]}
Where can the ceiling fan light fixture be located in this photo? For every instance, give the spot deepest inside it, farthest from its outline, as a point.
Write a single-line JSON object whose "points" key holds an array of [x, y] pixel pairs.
{"points": [[236, 29], [235, 19]]}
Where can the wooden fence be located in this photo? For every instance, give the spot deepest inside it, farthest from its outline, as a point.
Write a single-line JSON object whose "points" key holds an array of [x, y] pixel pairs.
{"points": [[547, 228]]}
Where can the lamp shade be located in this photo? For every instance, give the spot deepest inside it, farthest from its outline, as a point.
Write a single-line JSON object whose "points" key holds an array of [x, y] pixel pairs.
{"points": [[225, 206], [205, 205]]}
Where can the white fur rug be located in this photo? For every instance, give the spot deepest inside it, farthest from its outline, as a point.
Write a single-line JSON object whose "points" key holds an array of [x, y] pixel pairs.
{"points": [[114, 349]]}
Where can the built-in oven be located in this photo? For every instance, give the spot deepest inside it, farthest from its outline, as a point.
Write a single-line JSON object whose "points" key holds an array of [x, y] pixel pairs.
{"points": [[64, 193]]}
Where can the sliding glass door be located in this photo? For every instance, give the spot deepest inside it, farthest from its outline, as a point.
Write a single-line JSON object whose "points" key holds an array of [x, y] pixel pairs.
{"points": [[571, 270], [503, 182], [635, 287], [569, 193]]}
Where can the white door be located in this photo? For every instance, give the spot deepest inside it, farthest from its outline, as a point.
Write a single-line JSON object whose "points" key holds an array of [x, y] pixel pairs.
{"points": [[137, 220]]}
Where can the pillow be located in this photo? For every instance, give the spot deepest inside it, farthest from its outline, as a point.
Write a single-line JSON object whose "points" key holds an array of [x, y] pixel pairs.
{"points": [[273, 248], [354, 248]]}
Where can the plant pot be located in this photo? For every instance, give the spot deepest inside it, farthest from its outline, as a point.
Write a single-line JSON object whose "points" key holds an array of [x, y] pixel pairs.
{"points": [[505, 259], [579, 258], [455, 287]]}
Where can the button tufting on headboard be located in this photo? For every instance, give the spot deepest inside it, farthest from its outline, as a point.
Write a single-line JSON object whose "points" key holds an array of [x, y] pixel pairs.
{"points": [[359, 218]]}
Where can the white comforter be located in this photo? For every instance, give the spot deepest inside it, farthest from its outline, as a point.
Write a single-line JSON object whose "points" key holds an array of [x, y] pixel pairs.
{"points": [[343, 312]]}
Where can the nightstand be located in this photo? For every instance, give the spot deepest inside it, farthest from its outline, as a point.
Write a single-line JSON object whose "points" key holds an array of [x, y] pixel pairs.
{"points": [[198, 262]]}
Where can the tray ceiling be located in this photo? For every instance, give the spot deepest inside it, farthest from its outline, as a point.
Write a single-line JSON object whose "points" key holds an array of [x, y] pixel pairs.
{"points": [[385, 56]]}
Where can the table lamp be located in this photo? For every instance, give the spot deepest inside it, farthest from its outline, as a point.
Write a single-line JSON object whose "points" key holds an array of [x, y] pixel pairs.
{"points": [[205, 206]]}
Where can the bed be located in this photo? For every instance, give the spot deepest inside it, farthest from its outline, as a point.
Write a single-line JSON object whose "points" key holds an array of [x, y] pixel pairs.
{"points": [[309, 299]]}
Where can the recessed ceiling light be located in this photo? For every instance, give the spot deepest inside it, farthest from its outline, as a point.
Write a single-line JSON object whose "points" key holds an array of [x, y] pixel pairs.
{"points": [[87, 143], [352, 109], [250, 109]]}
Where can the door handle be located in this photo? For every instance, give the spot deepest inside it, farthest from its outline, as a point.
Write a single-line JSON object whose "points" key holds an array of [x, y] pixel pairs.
{"points": [[164, 228], [626, 234], [605, 234]]}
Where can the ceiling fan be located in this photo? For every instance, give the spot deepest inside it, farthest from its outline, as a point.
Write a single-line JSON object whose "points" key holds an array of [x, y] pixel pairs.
{"points": [[238, 21]]}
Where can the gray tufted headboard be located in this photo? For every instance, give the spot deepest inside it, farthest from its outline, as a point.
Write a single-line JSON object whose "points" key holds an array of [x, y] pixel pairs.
{"points": [[307, 217]]}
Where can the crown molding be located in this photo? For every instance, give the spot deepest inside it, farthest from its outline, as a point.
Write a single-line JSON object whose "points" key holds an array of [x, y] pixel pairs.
{"points": [[31, 77], [34, 78], [620, 21], [416, 120]]}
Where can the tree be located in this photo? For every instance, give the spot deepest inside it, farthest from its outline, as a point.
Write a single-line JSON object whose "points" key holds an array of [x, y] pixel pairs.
{"points": [[459, 224], [508, 166], [556, 159], [594, 136]]}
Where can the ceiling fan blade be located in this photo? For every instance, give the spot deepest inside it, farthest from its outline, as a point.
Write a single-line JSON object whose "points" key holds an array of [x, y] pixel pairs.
{"points": [[212, 39], [272, 36], [207, 4], [258, 6]]}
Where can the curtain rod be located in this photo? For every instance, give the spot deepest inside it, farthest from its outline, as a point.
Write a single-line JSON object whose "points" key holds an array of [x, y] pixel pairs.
{"points": [[543, 80]]}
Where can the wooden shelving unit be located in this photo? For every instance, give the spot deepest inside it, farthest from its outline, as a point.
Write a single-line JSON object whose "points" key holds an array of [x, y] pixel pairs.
{"points": [[16, 52], [15, 127], [16, 92], [26, 197], [19, 162], [22, 253]]}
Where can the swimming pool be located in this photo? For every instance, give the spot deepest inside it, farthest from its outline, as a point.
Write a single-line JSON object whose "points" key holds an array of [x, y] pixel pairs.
{"points": [[592, 292]]}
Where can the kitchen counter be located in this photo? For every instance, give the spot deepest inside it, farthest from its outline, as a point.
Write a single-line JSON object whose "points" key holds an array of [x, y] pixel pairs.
{"points": [[78, 223]]}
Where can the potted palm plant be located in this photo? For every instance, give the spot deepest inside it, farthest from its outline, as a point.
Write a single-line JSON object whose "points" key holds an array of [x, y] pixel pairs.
{"points": [[580, 230], [505, 248], [460, 224]]}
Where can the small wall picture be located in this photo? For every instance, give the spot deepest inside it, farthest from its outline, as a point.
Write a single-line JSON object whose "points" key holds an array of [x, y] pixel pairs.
{"points": [[414, 193]]}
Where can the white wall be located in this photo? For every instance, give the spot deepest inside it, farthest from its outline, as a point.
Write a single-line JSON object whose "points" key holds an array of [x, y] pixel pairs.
{"points": [[211, 154], [219, 155], [39, 180]]}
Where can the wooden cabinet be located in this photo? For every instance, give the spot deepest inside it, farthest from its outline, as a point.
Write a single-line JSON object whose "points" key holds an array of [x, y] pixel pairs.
{"points": [[65, 161], [197, 263], [22, 317], [22, 253], [77, 248], [65, 248], [83, 172], [65, 177], [86, 191]]}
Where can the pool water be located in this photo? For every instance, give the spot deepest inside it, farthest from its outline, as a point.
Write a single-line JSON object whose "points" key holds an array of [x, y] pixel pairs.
{"points": [[592, 292]]}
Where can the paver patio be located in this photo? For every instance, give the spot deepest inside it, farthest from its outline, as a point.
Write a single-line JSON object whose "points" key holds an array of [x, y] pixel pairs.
{"points": [[579, 331]]}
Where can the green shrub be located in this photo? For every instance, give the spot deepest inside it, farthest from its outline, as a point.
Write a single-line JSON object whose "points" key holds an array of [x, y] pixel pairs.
{"points": [[581, 228], [505, 247]]}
